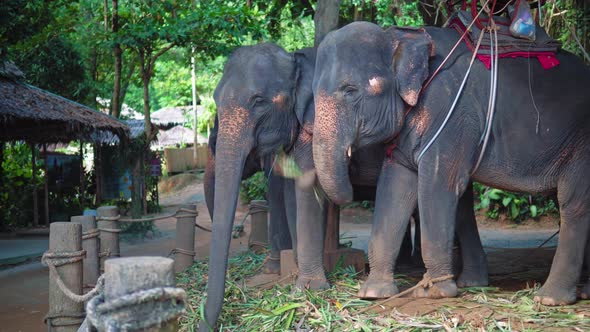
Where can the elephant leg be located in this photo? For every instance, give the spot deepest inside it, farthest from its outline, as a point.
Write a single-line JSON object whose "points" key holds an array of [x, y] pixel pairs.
{"points": [[405, 253], [311, 226], [395, 201], [475, 264], [574, 208], [585, 292], [438, 200], [278, 228], [417, 250], [290, 206]]}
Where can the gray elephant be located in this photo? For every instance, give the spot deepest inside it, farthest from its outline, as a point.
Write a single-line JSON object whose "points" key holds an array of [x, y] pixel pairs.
{"points": [[365, 80], [281, 201], [265, 104]]}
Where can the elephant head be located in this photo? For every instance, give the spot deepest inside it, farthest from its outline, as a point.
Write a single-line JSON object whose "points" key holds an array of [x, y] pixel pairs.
{"points": [[258, 103], [364, 78]]}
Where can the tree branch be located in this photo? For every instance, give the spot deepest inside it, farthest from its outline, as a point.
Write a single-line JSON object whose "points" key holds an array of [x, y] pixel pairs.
{"points": [[162, 51]]}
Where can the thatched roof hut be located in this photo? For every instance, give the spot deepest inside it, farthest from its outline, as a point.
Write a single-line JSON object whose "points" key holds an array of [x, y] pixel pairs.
{"points": [[33, 114], [136, 129], [175, 136]]}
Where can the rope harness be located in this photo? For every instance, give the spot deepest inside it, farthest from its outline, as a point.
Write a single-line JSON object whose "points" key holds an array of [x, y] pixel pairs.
{"points": [[492, 29]]}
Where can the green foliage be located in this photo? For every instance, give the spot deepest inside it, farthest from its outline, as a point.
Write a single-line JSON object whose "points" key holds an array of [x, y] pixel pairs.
{"points": [[57, 66], [295, 33], [254, 188], [279, 307], [16, 187], [382, 12], [515, 206], [569, 22]]}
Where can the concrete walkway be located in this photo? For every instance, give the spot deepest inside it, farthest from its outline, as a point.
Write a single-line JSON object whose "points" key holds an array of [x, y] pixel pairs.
{"points": [[18, 250]]}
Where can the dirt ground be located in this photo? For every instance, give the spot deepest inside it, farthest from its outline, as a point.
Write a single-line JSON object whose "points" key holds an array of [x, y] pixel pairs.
{"points": [[23, 289]]}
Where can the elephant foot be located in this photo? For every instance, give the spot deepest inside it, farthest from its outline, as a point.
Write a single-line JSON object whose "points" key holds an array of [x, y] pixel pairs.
{"points": [[473, 278], [554, 296], [313, 283], [439, 290], [585, 292], [271, 266], [375, 288]]}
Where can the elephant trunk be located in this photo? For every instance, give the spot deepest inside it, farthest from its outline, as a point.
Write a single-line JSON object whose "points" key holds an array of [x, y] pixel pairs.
{"points": [[209, 181], [231, 152], [331, 154]]}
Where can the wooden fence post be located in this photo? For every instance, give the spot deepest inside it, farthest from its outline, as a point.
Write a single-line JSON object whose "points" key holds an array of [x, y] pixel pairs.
{"points": [[184, 254], [139, 295], [259, 224], [64, 259], [90, 244], [109, 233]]}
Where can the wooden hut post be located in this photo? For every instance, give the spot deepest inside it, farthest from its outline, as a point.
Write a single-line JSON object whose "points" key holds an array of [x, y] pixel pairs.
{"points": [[47, 221], [81, 168], [90, 245], [109, 233], [146, 286], [65, 254], [1, 160], [34, 185], [98, 173], [185, 238]]}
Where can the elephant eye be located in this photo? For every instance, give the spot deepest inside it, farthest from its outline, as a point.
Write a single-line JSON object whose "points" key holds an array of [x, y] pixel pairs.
{"points": [[349, 90], [257, 101]]}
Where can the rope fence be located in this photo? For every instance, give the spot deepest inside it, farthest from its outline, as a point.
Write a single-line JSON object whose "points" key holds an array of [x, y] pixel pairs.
{"points": [[163, 304]]}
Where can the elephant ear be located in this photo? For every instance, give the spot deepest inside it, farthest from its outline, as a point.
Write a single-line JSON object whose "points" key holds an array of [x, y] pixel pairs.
{"points": [[304, 106], [412, 49]]}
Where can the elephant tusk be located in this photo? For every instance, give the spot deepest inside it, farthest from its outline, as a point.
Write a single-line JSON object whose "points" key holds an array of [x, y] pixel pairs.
{"points": [[349, 152]]}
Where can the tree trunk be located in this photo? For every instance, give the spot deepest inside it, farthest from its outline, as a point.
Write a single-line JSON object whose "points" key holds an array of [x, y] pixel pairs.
{"points": [[194, 88], [118, 53], [325, 18], [106, 15], [136, 185], [144, 62], [126, 81]]}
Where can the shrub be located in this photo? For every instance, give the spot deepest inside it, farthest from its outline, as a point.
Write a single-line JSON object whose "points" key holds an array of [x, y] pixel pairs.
{"points": [[254, 188], [516, 206]]}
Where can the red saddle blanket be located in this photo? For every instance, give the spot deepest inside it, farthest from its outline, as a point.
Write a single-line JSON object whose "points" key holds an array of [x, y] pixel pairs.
{"points": [[543, 47]]}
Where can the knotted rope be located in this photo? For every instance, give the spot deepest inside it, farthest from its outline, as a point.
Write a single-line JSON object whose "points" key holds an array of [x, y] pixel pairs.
{"points": [[182, 251], [160, 305], [255, 207], [95, 232], [426, 282], [54, 260]]}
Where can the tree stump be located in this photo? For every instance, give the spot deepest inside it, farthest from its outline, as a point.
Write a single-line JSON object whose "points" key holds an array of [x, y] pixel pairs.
{"points": [[184, 254], [90, 244], [65, 253], [332, 251], [139, 295], [109, 233], [259, 225]]}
